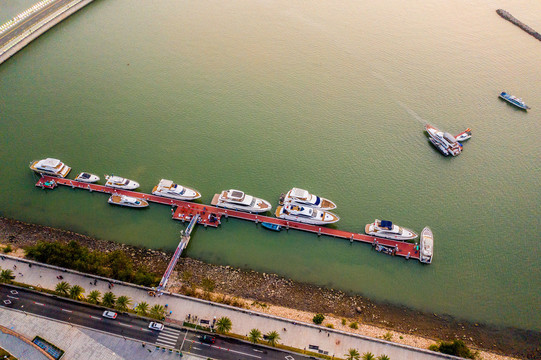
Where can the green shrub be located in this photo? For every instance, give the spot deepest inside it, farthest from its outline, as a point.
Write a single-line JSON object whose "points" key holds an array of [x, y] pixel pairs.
{"points": [[455, 347], [7, 249], [330, 326], [354, 325], [343, 321], [318, 319]]}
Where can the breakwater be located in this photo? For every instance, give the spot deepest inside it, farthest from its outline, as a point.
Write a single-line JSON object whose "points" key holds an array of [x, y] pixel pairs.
{"points": [[504, 14]]}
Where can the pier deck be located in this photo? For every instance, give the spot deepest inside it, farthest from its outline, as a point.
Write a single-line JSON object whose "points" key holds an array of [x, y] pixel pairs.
{"points": [[211, 216]]}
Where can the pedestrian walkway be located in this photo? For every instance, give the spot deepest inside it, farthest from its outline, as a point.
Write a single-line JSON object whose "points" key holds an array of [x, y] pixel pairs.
{"points": [[298, 335], [168, 337]]}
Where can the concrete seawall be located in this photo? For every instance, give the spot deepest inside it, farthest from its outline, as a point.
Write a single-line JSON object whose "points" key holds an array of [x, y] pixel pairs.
{"points": [[504, 14], [32, 32]]}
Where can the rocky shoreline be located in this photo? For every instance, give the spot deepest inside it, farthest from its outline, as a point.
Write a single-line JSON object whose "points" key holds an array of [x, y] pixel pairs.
{"points": [[272, 291]]}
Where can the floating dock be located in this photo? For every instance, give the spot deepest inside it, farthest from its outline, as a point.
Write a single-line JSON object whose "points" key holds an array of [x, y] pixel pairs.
{"points": [[211, 216]]}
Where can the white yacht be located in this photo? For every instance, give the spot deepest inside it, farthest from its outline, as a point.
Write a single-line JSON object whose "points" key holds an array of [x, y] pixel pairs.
{"points": [[238, 200], [87, 178], [50, 166], [169, 189], [304, 198], [120, 182], [443, 141], [305, 214], [386, 229], [128, 201], [426, 246]]}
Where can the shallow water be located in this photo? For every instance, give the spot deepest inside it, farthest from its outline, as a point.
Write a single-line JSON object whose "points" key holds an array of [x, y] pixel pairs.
{"points": [[263, 96]]}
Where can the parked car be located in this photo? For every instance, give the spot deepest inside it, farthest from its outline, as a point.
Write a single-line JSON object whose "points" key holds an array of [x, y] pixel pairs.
{"points": [[207, 339], [155, 326], [109, 314]]}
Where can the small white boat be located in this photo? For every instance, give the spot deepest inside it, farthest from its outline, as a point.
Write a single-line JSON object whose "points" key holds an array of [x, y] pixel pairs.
{"points": [[386, 229], [169, 189], [120, 182], [50, 166], [305, 214], [238, 200], [465, 135], [128, 201], [87, 178], [304, 198], [426, 246]]}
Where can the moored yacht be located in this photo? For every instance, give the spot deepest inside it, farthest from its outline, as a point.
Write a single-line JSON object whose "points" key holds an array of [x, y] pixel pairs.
{"points": [[443, 141], [426, 246], [386, 229], [305, 214], [50, 166], [304, 198], [120, 182], [128, 201], [87, 178], [169, 189], [238, 200]]}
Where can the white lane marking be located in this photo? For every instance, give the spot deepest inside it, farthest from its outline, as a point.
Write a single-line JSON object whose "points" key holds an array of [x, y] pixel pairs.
{"points": [[168, 336], [171, 343], [95, 317], [13, 297], [66, 310], [37, 303], [221, 348], [195, 348], [126, 325]]}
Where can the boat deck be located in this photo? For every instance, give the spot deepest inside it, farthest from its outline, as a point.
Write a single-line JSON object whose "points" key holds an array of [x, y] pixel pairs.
{"points": [[211, 216]]}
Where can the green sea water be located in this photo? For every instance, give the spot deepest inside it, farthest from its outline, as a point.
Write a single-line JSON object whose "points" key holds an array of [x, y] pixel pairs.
{"points": [[332, 97]]}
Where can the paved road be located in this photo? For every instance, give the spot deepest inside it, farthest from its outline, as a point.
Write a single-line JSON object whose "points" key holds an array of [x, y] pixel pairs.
{"points": [[134, 327], [31, 20]]}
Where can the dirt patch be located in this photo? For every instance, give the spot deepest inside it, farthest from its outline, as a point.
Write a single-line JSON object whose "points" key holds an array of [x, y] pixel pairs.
{"points": [[274, 294]]}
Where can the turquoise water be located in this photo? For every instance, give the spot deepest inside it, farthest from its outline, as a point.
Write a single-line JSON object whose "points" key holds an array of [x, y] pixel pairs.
{"points": [[264, 96]]}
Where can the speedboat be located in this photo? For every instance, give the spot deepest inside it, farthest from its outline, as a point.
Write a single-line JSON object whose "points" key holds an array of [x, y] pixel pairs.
{"points": [[443, 141], [87, 177], [50, 166], [386, 229], [426, 246], [128, 201], [305, 214], [304, 198], [465, 135], [271, 226], [238, 200], [120, 182], [514, 100], [169, 189]]}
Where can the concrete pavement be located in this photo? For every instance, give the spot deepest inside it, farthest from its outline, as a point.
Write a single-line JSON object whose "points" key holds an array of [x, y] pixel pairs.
{"points": [[295, 334]]}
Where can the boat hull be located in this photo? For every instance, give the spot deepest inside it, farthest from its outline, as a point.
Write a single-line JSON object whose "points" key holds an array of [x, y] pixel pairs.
{"points": [[399, 234], [426, 246], [127, 201], [87, 178], [310, 200], [514, 101], [271, 226], [62, 173], [329, 217], [190, 194], [112, 182]]}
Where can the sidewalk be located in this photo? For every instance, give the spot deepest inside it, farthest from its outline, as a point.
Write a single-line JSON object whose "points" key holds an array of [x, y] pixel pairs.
{"points": [[295, 334]]}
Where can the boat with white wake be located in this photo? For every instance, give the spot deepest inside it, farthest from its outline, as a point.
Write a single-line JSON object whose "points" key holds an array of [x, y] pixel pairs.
{"points": [[168, 188]]}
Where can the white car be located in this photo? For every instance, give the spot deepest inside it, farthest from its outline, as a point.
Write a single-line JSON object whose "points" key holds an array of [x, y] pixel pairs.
{"points": [[109, 314], [155, 326]]}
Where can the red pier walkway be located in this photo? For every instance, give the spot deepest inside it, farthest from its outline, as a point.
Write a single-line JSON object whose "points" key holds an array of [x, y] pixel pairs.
{"points": [[211, 216]]}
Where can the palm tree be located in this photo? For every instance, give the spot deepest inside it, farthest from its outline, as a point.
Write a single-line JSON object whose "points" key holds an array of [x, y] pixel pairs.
{"points": [[255, 335], [368, 356], [76, 292], [6, 276], [273, 337], [224, 325], [142, 308], [157, 311], [383, 357], [94, 297], [63, 288], [122, 303], [108, 299], [353, 354]]}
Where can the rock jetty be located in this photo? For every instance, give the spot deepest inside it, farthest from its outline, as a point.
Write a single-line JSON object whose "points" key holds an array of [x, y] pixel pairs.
{"points": [[504, 14]]}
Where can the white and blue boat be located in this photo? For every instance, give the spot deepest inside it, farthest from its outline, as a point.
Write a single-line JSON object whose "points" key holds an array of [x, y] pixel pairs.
{"points": [[514, 100], [271, 226]]}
